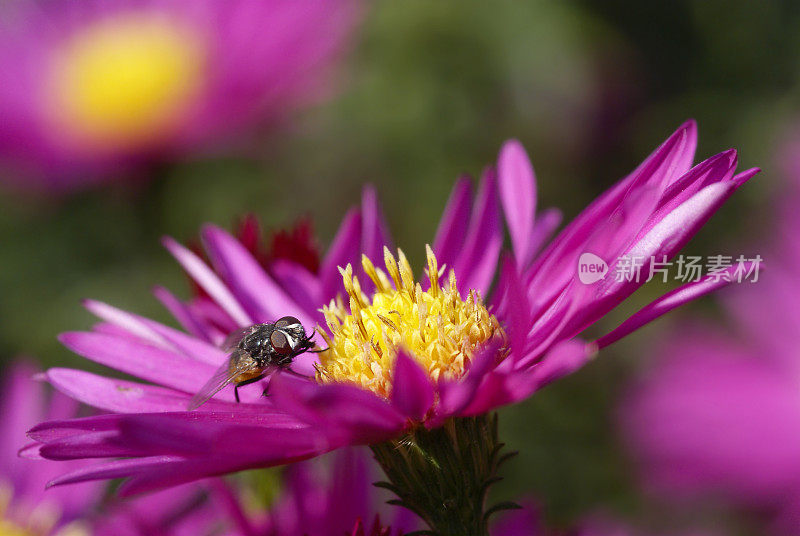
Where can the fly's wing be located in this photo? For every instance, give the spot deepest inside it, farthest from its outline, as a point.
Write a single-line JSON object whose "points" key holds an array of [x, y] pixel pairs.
{"points": [[233, 366], [232, 340]]}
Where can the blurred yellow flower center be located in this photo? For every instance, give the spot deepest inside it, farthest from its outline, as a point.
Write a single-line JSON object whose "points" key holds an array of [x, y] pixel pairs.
{"points": [[39, 522], [439, 329], [7, 528], [125, 80]]}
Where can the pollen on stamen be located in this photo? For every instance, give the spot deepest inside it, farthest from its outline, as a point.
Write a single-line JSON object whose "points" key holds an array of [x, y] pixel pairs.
{"points": [[437, 327]]}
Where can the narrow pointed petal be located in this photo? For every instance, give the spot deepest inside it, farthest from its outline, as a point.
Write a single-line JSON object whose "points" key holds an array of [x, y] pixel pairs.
{"points": [[156, 333], [183, 314], [122, 396], [344, 412], [259, 293], [502, 389], [546, 224], [517, 182], [454, 223], [345, 249], [412, 391], [374, 230], [477, 263], [206, 278], [456, 395], [150, 363], [666, 303]]}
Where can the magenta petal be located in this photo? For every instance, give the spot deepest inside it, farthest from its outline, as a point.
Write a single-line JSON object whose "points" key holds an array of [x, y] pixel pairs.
{"points": [[746, 175], [128, 321], [346, 412], [684, 162], [182, 313], [514, 310], [301, 285], [206, 278], [454, 223], [545, 225], [123, 396], [178, 471], [502, 389], [718, 168], [150, 363], [517, 183], [276, 436], [477, 262], [158, 334], [345, 249], [54, 430], [564, 359], [264, 298], [19, 408], [31, 451], [676, 228], [455, 395], [412, 391], [103, 444], [527, 521], [664, 304], [113, 469], [374, 231]]}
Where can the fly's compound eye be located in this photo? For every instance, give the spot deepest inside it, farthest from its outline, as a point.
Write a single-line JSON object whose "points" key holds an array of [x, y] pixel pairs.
{"points": [[286, 321], [280, 343]]}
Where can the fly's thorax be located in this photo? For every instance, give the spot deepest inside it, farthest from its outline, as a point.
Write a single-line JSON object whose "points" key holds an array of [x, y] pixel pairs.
{"points": [[438, 328], [256, 343]]}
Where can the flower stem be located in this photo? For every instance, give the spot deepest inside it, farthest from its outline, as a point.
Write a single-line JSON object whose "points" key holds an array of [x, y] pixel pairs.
{"points": [[443, 474]]}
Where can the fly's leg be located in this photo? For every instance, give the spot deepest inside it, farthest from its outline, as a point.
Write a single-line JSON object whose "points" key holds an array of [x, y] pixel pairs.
{"points": [[246, 382], [294, 373]]}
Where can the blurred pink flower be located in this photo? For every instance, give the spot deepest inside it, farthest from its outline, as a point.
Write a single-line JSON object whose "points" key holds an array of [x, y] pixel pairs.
{"points": [[24, 503], [88, 89], [341, 500], [339, 497], [370, 393], [719, 412], [27, 505]]}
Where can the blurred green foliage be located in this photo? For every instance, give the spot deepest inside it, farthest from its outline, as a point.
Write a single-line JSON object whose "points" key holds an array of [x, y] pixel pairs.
{"points": [[430, 91]]}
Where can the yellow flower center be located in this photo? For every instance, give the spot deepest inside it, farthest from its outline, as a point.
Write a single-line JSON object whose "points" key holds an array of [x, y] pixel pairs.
{"points": [[125, 81], [438, 329]]}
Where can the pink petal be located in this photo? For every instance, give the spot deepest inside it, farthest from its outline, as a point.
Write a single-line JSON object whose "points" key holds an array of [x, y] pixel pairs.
{"points": [[255, 288], [502, 389], [150, 363], [454, 223], [517, 183], [343, 412], [183, 314], [663, 305], [477, 262], [412, 391], [158, 334], [345, 249], [374, 231], [123, 396], [206, 278]]}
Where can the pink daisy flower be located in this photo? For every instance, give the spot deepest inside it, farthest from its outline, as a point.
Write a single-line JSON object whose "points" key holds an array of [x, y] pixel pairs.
{"points": [[87, 87], [406, 363]]}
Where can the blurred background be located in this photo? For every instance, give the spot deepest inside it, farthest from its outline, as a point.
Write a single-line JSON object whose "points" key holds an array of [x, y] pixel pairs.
{"points": [[419, 93]]}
